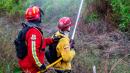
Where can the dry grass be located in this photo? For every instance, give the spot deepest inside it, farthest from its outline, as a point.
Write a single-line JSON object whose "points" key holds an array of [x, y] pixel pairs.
{"points": [[98, 45]]}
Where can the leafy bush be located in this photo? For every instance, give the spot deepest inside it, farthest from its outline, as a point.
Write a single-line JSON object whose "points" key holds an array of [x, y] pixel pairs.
{"points": [[121, 8], [11, 7]]}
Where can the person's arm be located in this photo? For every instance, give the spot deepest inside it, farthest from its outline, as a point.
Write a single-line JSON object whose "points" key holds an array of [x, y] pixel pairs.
{"points": [[34, 38], [63, 49], [49, 40]]}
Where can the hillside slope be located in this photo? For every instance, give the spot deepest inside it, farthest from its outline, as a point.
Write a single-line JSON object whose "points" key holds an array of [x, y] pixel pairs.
{"points": [[99, 43]]}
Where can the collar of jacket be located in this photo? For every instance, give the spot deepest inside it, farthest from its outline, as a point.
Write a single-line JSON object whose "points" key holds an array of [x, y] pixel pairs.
{"points": [[64, 33], [60, 34], [33, 24]]}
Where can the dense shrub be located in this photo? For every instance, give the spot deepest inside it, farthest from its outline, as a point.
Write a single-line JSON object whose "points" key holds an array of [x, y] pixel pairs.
{"points": [[121, 9], [117, 10], [11, 7]]}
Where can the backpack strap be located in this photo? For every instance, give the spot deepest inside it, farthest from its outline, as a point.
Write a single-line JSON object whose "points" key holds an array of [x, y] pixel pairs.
{"points": [[26, 27]]}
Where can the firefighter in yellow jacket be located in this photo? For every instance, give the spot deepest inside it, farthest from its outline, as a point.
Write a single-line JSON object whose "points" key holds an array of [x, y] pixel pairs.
{"points": [[62, 47]]}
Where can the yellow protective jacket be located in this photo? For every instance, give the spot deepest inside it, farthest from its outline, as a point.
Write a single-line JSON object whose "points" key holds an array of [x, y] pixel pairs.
{"points": [[64, 51]]}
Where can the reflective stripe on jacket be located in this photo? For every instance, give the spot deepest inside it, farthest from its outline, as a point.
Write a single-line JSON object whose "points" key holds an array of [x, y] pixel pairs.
{"points": [[36, 45]]}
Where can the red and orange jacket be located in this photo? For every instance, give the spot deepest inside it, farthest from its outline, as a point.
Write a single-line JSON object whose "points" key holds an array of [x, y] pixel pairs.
{"points": [[36, 45]]}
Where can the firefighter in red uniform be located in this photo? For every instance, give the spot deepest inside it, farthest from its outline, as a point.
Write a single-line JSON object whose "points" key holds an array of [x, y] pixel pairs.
{"points": [[36, 43]]}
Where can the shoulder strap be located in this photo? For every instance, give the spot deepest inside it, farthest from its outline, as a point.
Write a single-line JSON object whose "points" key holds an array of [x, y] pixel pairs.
{"points": [[22, 33], [27, 26]]}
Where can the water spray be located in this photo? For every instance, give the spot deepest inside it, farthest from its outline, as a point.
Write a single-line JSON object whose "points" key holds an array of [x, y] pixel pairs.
{"points": [[76, 23]]}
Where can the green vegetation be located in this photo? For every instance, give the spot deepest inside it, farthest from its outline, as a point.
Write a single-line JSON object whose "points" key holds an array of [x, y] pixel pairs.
{"points": [[121, 8], [92, 17], [59, 8], [119, 11], [11, 7], [53, 8]]}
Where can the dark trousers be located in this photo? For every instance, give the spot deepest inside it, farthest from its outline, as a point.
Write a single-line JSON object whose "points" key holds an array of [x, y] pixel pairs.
{"points": [[63, 71]]}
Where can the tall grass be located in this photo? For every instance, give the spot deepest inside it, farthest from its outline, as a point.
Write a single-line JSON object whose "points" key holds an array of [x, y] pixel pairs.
{"points": [[8, 59]]}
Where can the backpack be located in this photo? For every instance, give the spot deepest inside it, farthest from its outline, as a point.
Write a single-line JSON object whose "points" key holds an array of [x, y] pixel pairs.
{"points": [[51, 53], [20, 44]]}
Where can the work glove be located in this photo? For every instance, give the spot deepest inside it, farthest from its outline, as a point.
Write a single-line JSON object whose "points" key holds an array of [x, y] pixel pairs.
{"points": [[72, 43], [43, 68]]}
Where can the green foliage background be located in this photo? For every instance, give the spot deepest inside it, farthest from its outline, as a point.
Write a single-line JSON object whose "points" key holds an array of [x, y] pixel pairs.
{"points": [[120, 12], [58, 8], [121, 8], [11, 7]]}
